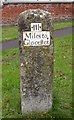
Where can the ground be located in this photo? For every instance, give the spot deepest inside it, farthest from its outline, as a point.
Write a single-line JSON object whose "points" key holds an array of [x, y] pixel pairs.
{"points": [[62, 85]]}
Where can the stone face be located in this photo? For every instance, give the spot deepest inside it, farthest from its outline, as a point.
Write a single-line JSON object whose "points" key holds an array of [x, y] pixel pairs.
{"points": [[36, 64]]}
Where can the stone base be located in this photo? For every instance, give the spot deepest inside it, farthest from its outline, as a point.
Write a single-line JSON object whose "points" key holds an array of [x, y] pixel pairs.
{"points": [[36, 105]]}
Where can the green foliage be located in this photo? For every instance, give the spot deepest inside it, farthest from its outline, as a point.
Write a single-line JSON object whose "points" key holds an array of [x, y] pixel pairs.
{"points": [[62, 86]]}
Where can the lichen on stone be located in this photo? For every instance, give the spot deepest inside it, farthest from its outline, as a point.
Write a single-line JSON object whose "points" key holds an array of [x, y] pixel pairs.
{"points": [[36, 64]]}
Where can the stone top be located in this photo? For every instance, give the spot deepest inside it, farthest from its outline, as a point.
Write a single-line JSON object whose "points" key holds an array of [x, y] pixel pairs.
{"points": [[34, 16]]}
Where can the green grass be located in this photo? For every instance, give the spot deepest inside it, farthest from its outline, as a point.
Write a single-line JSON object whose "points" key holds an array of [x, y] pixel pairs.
{"points": [[63, 75], [0, 33], [11, 32], [11, 88], [61, 25], [62, 87], [0, 84]]}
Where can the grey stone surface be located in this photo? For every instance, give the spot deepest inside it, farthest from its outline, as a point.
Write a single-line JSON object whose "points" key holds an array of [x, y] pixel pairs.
{"points": [[36, 64]]}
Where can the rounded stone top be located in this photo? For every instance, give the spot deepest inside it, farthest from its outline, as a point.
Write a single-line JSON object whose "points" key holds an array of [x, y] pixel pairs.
{"points": [[35, 12], [34, 16]]}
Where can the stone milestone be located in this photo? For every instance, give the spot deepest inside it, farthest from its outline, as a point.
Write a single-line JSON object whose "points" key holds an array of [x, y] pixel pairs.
{"points": [[36, 60]]}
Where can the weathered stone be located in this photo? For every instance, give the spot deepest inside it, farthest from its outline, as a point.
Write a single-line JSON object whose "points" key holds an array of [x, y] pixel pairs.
{"points": [[36, 64]]}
